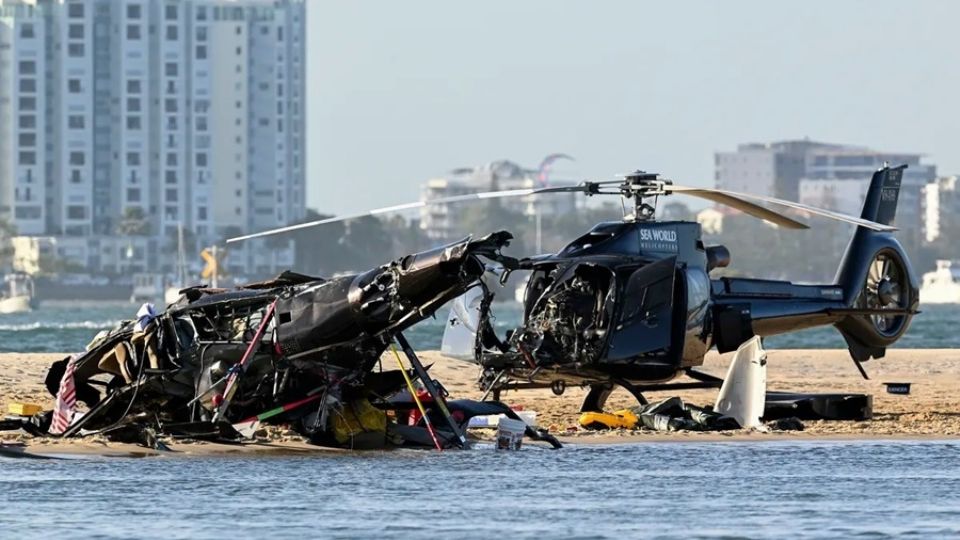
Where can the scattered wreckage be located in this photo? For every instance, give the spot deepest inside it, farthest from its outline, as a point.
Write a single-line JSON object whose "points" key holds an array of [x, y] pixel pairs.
{"points": [[633, 304], [628, 304], [298, 349]]}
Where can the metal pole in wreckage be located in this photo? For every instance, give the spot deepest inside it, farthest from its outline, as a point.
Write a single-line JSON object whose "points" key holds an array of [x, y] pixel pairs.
{"points": [[237, 369], [248, 426], [416, 399], [430, 387]]}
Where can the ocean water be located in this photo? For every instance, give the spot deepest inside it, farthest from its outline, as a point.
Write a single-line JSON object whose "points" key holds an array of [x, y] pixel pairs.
{"points": [[69, 326], [775, 490]]}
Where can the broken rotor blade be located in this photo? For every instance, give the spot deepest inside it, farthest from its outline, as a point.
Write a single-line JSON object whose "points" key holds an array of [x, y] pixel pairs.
{"points": [[711, 194], [734, 201], [581, 188]]}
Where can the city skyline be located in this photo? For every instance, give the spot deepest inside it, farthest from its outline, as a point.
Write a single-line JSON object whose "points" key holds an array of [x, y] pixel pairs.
{"points": [[400, 95], [193, 112], [166, 114]]}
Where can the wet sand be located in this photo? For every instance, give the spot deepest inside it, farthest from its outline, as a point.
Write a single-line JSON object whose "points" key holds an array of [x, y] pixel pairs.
{"points": [[932, 410]]}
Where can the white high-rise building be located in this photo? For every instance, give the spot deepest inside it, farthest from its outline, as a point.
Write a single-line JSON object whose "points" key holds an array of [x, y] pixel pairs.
{"points": [[141, 115], [23, 118]]}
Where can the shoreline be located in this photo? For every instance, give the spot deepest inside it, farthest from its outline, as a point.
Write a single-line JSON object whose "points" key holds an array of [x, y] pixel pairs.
{"points": [[80, 449], [930, 413]]}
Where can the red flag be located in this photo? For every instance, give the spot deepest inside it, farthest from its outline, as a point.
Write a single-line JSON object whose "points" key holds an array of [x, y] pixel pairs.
{"points": [[66, 400]]}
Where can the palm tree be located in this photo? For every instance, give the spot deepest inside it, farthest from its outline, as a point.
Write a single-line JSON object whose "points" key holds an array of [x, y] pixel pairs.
{"points": [[133, 222], [7, 232]]}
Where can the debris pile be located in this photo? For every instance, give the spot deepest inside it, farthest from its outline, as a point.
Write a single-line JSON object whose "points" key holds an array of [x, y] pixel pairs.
{"points": [[296, 350], [668, 415], [673, 414]]}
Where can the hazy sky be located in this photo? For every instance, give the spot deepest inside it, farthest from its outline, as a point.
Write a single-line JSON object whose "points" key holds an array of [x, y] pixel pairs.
{"points": [[399, 92]]}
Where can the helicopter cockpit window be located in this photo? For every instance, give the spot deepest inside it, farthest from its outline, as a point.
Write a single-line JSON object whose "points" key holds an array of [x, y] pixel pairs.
{"points": [[646, 299], [588, 240]]}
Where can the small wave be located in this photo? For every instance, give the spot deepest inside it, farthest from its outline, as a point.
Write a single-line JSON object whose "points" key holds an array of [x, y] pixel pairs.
{"points": [[39, 325]]}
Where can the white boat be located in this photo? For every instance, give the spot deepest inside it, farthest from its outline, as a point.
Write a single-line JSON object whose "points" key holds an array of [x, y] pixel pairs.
{"points": [[942, 286], [18, 295]]}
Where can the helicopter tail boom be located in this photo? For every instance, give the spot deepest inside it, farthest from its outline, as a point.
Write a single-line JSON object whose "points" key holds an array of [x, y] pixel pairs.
{"points": [[880, 287], [874, 296]]}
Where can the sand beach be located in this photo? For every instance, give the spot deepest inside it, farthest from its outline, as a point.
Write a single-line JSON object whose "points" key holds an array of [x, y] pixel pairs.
{"points": [[930, 411]]}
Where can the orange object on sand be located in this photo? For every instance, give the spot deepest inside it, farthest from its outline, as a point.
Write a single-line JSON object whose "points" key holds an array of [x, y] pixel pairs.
{"points": [[24, 409]]}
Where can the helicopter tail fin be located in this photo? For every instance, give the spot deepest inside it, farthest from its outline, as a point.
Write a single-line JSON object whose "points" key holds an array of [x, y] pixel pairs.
{"points": [[883, 193], [876, 276]]}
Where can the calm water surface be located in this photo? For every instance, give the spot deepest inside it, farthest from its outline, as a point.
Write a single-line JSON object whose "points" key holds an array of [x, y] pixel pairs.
{"points": [[69, 326], [656, 490]]}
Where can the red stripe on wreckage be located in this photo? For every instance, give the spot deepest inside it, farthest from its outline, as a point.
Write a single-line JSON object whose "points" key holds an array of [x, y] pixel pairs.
{"points": [[66, 400]]}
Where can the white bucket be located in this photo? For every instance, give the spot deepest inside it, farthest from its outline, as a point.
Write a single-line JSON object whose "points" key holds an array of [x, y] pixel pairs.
{"points": [[484, 421], [529, 417], [510, 434], [493, 420]]}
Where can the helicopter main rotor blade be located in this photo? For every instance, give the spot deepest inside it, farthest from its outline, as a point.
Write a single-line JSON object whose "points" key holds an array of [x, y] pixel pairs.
{"points": [[734, 201], [711, 194], [582, 188]]}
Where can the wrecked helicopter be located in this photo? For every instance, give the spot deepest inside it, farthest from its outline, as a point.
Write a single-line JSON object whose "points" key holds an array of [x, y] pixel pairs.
{"points": [[219, 364], [632, 304]]}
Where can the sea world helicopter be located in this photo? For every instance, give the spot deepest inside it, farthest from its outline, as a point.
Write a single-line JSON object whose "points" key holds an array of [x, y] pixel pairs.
{"points": [[632, 304]]}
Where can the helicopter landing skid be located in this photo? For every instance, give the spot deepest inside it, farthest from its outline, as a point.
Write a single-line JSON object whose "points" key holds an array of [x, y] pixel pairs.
{"points": [[597, 396]]}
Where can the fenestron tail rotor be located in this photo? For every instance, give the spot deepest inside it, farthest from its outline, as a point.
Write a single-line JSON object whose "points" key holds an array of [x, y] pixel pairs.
{"points": [[638, 186], [886, 288]]}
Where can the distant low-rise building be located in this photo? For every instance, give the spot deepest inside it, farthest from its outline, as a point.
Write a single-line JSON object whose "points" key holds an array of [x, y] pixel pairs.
{"points": [[717, 220], [857, 164], [941, 208], [439, 221], [43, 254], [845, 196], [771, 169], [29, 251], [711, 220], [825, 174]]}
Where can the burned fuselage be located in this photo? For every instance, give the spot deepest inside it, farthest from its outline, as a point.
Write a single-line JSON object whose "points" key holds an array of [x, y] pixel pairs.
{"points": [[625, 301], [282, 341]]}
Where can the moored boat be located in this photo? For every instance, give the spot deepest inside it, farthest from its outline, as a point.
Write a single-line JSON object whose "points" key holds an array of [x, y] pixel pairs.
{"points": [[942, 286], [18, 295]]}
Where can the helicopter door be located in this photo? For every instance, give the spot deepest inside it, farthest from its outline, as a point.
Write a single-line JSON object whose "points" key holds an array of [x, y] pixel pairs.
{"points": [[463, 322], [644, 327]]}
